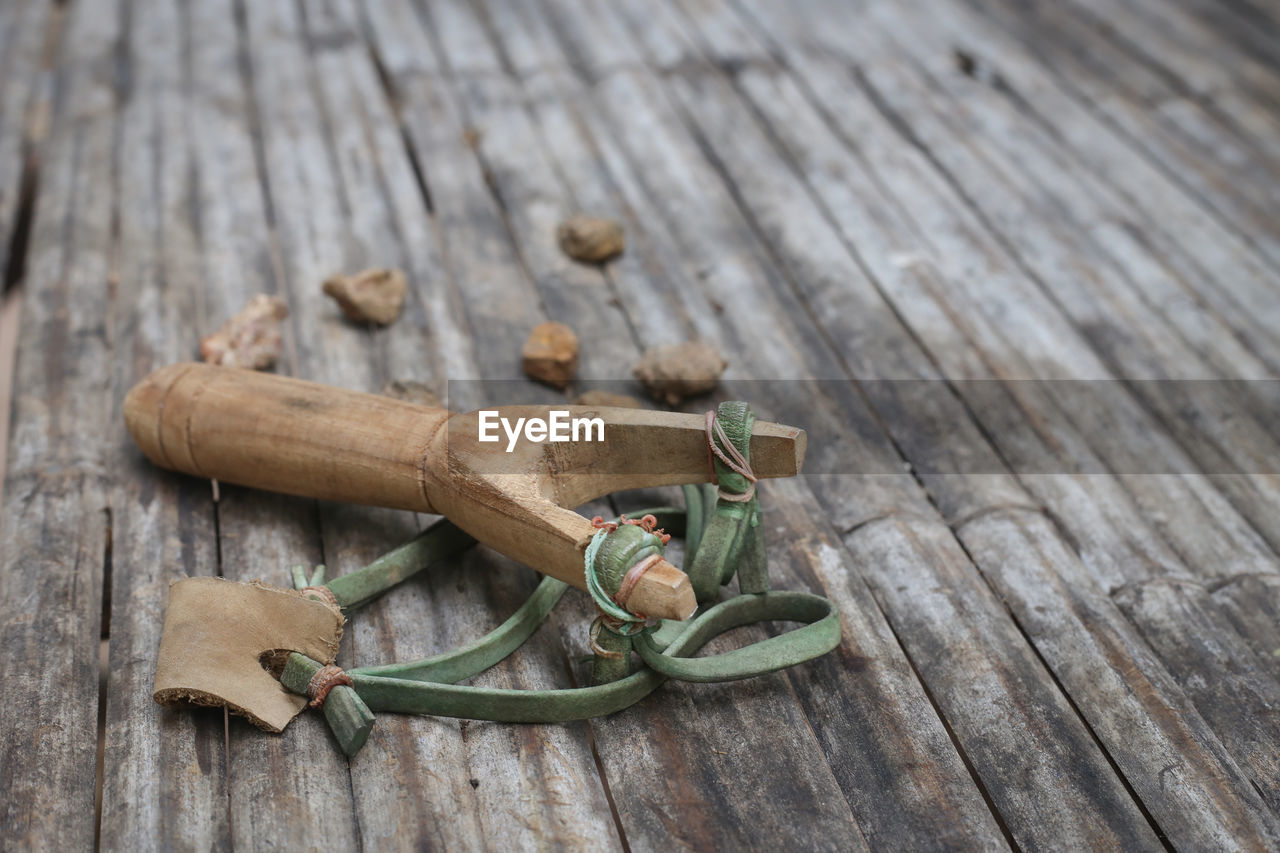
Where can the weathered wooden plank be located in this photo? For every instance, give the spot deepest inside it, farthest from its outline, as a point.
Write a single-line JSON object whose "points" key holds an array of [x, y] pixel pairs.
{"points": [[1158, 282], [25, 37], [832, 175], [1195, 141], [1249, 495], [532, 201], [1041, 331], [1211, 57], [650, 168], [10, 314], [527, 784], [1218, 442], [1214, 251], [1197, 790], [788, 220], [1223, 677], [295, 785], [1224, 361], [1143, 185], [1207, 72], [55, 528], [899, 556], [164, 776]]}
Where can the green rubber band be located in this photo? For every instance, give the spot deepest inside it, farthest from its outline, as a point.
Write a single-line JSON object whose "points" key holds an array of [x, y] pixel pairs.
{"points": [[440, 541], [820, 635], [722, 537], [603, 601], [580, 703], [634, 544], [477, 656]]}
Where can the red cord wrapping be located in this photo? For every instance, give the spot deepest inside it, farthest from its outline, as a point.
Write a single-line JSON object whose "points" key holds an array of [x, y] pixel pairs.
{"points": [[738, 463], [326, 678]]}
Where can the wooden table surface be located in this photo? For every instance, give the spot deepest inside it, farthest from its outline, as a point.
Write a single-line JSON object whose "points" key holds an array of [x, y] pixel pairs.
{"points": [[965, 194]]}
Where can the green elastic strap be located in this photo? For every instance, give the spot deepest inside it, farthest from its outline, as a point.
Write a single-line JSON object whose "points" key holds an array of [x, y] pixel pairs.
{"points": [[731, 540], [720, 536], [820, 635], [438, 542], [422, 695]]}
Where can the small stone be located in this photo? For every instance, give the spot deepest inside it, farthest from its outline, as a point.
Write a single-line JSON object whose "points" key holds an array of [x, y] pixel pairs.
{"points": [[412, 392], [550, 354], [372, 296], [586, 238], [596, 397], [251, 338], [672, 373]]}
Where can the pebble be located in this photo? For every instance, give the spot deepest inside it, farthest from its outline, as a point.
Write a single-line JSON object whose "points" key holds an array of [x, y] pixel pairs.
{"points": [[250, 339], [586, 238], [372, 296], [550, 354], [677, 371]]}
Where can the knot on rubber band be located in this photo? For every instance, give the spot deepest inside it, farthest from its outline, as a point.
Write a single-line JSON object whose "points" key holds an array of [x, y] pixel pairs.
{"points": [[732, 459], [326, 678], [594, 638], [649, 524], [323, 592]]}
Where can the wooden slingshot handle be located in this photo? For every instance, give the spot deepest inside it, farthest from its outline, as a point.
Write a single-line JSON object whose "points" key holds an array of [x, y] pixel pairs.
{"points": [[286, 435]]}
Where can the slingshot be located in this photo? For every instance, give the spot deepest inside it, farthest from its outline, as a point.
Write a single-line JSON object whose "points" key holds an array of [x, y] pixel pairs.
{"points": [[307, 439]]}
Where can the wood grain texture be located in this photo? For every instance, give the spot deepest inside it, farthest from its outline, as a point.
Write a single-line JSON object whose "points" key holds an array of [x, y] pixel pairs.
{"points": [[911, 632], [56, 526], [1106, 547], [533, 785], [873, 812], [535, 246], [533, 201], [28, 34], [936, 806], [164, 772], [814, 262], [956, 196]]}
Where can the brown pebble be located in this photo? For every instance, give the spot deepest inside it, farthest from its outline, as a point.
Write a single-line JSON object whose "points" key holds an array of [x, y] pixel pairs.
{"points": [[596, 397], [412, 392], [676, 371], [550, 354], [372, 296], [249, 339], [585, 238]]}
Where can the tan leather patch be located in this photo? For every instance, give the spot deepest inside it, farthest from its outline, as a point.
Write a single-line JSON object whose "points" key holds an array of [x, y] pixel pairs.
{"points": [[217, 633]]}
